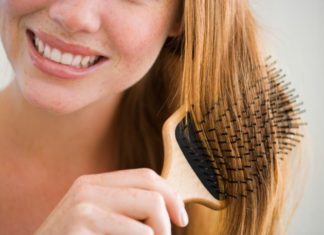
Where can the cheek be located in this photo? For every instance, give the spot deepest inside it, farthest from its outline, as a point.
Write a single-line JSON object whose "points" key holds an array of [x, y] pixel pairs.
{"points": [[136, 43], [138, 48], [11, 13]]}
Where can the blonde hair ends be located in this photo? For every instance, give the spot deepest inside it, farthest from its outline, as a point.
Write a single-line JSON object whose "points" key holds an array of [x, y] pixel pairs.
{"points": [[212, 58]]}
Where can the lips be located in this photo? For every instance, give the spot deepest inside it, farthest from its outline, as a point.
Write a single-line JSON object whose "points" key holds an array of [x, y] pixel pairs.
{"points": [[56, 69]]}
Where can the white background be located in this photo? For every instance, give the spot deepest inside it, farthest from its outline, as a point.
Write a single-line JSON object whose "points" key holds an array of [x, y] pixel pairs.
{"points": [[294, 35]]}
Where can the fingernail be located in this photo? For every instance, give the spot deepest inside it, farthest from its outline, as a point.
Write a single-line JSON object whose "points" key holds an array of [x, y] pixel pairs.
{"points": [[184, 217], [183, 213]]}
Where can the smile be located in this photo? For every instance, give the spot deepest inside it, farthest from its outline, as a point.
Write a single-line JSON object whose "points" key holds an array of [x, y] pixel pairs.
{"points": [[56, 55], [61, 59]]}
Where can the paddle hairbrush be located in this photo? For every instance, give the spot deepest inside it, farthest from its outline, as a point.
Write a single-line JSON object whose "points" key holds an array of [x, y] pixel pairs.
{"points": [[229, 158]]}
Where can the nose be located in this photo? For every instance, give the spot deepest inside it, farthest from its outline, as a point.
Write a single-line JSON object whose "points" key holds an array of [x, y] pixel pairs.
{"points": [[76, 15]]}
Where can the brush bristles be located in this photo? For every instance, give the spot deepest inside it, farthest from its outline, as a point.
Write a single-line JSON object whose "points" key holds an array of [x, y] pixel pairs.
{"points": [[232, 148]]}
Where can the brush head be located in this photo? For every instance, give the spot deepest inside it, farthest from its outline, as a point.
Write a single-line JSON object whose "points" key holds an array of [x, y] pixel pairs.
{"points": [[234, 146]]}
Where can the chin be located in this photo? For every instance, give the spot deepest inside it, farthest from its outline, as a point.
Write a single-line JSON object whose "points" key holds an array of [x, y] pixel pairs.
{"points": [[52, 100], [51, 105]]}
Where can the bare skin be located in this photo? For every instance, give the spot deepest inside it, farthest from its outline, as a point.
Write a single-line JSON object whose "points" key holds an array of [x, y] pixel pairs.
{"points": [[57, 152], [33, 185]]}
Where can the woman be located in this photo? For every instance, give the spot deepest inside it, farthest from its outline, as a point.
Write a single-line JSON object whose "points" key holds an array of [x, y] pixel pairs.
{"points": [[81, 145]]}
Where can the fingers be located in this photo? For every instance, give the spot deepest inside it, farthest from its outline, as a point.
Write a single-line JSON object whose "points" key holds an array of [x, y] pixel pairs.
{"points": [[145, 179], [134, 201], [96, 220], [128, 226], [143, 205]]}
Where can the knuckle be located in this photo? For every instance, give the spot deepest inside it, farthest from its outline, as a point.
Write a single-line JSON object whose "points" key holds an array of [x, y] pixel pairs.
{"points": [[147, 230], [84, 211], [156, 198], [149, 174], [83, 193], [158, 205], [83, 179]]}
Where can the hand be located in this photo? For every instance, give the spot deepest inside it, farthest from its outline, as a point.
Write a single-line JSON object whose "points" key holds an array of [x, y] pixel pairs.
{"points": [[136, 201]]}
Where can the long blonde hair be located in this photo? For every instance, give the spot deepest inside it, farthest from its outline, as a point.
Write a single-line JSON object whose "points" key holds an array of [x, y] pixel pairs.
{"points": [[218, 48]]}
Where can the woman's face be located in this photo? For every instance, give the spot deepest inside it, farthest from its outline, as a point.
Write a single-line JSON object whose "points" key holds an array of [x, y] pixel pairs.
{"points": [[129, 34]]}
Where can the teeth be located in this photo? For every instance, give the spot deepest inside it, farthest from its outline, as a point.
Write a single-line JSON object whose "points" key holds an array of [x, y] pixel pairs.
{"points": [[37, 41], [77, 61], [40, 46], [66, 58], [92, 59], [56, 55], [47, 52], [85, 61]]}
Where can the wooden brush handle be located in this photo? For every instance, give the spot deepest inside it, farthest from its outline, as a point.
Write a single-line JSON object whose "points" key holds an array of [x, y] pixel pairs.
{"points": [[178, 172]]}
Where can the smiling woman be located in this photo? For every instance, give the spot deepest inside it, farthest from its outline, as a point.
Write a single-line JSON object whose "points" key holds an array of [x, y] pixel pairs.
{"points": [[81, 122], [130, 35]]}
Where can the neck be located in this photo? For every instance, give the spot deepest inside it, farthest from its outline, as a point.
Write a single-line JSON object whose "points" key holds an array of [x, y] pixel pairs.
{"points": [[83, 139]]}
